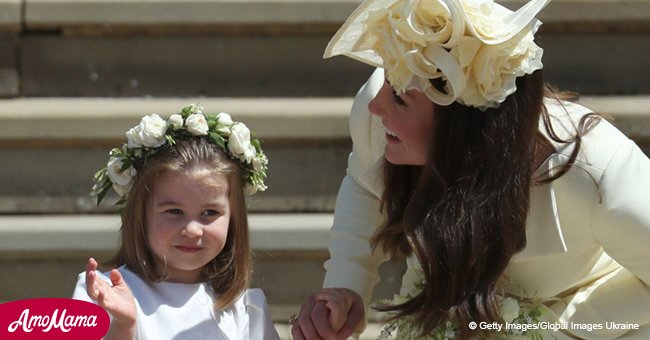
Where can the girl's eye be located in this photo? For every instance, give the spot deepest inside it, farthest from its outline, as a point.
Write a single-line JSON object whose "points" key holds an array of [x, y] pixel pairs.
{"points": [[210, 213], [397, 98], [174, 211]]}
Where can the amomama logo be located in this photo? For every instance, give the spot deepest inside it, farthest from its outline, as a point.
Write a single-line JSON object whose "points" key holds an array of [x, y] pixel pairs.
{"points": [[52, 318]]}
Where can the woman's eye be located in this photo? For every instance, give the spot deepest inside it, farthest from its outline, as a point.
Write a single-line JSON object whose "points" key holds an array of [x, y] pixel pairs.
{"points": [[397, 98]]}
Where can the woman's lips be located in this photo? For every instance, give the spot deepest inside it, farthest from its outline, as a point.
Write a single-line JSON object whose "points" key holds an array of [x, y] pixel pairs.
{"points": [[391, 137]]}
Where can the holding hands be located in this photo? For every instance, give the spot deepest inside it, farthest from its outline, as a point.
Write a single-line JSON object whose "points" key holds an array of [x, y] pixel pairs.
{"points": [[117, 300], [331, 313]]}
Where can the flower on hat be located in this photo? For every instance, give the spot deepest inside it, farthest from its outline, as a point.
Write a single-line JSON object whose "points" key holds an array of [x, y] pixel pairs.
{"points": [[153, 132], [476, 47]]}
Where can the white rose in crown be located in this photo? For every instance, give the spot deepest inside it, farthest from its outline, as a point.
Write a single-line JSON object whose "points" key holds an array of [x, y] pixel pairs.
{"points": [[259, 162], [115, 173], [509, 309], [249, 154], [225, 120], [196, 124], [150, 132], [239, 140], [133, 137], [154, 132], [175, 121], [122, 190]]}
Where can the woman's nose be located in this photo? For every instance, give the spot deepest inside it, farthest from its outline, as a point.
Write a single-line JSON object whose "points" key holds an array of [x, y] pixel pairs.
{"points": [[192, 229], [377, 106]]}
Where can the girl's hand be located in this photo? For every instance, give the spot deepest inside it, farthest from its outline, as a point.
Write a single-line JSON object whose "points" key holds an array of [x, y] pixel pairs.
{"points": [[332, 313], [117, 300]]}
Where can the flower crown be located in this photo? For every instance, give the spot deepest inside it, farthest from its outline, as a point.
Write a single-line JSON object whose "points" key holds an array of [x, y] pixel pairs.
{"points": [[153, 132], [476, 47]]}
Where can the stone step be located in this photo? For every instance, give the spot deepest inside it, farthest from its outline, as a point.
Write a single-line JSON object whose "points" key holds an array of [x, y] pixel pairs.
{"points": [[305, 138], [248, 48], [289, 252], [302, 137], [272, 66], [11, 18], [107, 119], [50, 14]]}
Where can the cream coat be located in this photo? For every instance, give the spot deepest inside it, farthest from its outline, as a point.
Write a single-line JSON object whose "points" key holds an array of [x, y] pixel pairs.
{"points": [[588, 233]]}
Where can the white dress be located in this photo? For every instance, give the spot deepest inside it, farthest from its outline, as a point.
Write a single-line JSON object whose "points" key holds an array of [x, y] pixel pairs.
{"points": [[181, 311]]}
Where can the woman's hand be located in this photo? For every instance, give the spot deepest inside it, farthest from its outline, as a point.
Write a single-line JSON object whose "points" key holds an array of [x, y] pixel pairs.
{"points": [[116, 300], [332, 313]]}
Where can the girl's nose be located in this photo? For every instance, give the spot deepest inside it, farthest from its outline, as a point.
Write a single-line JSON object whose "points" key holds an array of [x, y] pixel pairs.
{"points": [[192, 229]]}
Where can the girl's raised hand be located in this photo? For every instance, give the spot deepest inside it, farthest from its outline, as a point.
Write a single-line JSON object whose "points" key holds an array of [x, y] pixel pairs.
{"points": [[117, 300]]}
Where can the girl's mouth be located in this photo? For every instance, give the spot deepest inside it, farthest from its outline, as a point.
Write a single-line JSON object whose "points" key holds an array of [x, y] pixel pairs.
{"points": [[188, 249]]}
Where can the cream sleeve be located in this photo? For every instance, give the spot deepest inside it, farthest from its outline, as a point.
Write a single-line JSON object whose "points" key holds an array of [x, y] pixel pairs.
{"points": [[621, 224], [353, 264]]}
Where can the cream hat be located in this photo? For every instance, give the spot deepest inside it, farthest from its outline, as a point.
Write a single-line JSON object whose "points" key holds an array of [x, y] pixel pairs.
{"points": [[477, 47]]}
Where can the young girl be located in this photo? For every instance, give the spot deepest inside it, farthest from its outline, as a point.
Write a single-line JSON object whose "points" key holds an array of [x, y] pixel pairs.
{"points": [[184, 260]]}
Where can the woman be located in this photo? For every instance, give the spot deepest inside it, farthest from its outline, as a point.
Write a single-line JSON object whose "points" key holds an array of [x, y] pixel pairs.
{"points": [[511, 205]]}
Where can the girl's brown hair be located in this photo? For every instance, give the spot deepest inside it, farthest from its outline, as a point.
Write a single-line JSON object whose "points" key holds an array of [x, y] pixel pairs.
{"points": [[463, 214], [229, 273]]}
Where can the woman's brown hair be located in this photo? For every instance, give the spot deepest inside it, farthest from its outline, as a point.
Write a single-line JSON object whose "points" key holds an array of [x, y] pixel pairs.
{"points": [[463, 214], [229, 273]]}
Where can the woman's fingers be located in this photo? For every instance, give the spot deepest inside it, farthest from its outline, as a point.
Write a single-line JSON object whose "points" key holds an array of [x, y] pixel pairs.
{"points": [[338, 306], [332, 313], [337, 317], [354, 317], [305, 321], [320, 317]]}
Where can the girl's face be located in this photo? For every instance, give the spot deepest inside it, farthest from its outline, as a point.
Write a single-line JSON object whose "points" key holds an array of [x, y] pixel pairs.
{"points": [[187, 223], [408, 119]]}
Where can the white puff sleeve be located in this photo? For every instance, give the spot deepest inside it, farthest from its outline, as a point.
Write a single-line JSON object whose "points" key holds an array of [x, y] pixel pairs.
{"points": [[258, 324]]}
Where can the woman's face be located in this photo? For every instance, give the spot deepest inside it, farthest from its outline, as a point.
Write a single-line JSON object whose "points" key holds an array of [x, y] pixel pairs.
{"points": [[408, 119]]}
